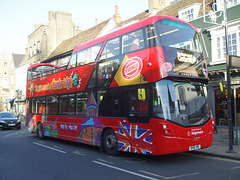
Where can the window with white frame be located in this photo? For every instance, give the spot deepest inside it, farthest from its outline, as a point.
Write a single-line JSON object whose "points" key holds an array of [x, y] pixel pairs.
{"points": [[230, 3], [189, 13], [232, 44], [219, 47]]}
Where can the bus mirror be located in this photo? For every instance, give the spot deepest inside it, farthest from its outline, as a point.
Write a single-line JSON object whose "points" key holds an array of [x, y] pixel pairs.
{"points": [[141, 94]]}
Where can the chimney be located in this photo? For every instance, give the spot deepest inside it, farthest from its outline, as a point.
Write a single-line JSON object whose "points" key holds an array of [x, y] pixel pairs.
{"points": [[116, 9], [154, 5], [116, 16], [96, 22]]}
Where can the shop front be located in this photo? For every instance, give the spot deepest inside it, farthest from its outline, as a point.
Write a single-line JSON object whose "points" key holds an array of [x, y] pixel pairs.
{"points": [[221, 104]]}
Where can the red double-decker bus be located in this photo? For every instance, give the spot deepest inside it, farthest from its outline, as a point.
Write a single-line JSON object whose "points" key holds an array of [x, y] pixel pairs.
{"points": [[141, 89]]}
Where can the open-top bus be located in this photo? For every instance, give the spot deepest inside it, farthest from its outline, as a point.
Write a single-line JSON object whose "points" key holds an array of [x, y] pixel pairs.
{"points": [[141, 89]]}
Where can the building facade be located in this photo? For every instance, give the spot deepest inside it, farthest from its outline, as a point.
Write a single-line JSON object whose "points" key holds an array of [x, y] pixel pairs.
{"points": [[5, 63], [214, 37], [41, 43], [8, 65], [45, 38]]}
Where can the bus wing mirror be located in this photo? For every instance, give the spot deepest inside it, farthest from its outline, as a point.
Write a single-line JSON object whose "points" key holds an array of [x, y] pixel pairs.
{"points": [[141, 94]]}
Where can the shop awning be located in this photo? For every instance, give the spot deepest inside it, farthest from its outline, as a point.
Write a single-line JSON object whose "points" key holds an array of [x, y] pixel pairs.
{"points": [[8, 101]]}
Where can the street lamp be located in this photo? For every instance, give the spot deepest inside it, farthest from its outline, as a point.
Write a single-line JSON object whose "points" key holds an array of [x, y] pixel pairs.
{"points": [[19, 94], [229, 97], [212, 19]]}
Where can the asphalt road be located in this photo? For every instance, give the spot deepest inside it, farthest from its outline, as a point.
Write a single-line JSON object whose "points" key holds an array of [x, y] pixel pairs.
{"points": [[25, 157]]}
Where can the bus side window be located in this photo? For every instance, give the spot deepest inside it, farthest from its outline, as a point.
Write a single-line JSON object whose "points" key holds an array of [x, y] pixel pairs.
{"points": [[111, 49], [67, 104], [72, 61], [112, 102], [133, 41], [82, 99], [138, 108], [88, 55], [33, 106], [53, 104], [41, 105], [29, 75]]}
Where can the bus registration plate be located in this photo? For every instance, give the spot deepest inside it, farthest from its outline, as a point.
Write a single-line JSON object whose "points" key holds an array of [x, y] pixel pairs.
{"points": [[192, 148]]}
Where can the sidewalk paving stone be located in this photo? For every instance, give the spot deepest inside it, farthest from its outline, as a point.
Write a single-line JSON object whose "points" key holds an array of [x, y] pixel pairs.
{"points": [[220, 146]]}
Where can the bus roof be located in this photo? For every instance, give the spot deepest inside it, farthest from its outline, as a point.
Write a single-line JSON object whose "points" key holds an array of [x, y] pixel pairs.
{"points": [[41, 64], [132, 27]]}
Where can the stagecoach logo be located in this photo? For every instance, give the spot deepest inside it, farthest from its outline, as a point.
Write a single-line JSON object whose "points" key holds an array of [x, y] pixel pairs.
{"points": [[195, 132], [132, 68], [166, 67]]}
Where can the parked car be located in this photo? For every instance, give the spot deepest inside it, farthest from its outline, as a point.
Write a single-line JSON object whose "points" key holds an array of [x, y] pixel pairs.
{"points": [[9, 120]]}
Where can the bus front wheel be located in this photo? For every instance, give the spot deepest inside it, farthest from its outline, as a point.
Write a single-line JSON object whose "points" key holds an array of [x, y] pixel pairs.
{"points": [[40, 131], [110, 142]]}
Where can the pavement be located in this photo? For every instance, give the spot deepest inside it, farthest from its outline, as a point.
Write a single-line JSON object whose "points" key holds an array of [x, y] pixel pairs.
{"points": [[220, 146]]}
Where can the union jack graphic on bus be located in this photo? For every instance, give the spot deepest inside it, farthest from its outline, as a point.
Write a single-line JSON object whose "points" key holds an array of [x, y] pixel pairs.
{"points": [[133, 139]]}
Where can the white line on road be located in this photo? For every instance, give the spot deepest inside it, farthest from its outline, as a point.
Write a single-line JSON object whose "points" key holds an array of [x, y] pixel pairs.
{"points": [[79, 153], [124, 170], [171, 177], [238, 167], [213, 157], [105, 161], [49, 147]]}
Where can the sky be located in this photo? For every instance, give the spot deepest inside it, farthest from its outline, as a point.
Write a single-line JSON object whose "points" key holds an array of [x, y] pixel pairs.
{"points": [[18, 17]]}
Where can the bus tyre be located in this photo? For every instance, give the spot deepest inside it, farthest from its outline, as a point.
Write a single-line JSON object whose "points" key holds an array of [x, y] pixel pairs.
{"points": [[110, 142], [40, 131]]}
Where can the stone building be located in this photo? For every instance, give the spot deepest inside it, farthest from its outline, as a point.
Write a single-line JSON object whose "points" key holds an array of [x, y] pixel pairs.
{"points": [[5, 61], [45, 38], [41, 43], [8, 65]]}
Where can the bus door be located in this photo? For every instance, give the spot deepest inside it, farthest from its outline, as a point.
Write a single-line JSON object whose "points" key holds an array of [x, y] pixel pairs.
{"points": [[139, 105]]}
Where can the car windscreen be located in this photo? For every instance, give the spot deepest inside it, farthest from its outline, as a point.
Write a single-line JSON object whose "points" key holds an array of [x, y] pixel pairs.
{"points": [[6, 115]]}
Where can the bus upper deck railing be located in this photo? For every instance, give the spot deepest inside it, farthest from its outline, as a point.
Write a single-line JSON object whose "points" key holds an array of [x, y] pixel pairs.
{"points": [[49, 72]]}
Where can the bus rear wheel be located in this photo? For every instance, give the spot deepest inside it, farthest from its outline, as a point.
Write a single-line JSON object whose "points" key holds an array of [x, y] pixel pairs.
{"points": [[110, 142], [40, 131]]}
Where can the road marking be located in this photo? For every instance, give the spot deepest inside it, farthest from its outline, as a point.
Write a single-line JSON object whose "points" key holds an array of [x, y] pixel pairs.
{"points": [[171, 177], [78, 153], [49, 147], [238, 167], [183, 175], [152, 174], [57, 147], [105, 161], [214, 158], [124, 170]]}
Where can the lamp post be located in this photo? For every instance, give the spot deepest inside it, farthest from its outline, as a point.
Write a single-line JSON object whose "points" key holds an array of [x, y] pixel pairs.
{"points": [[229, 97], [19, 93]]}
